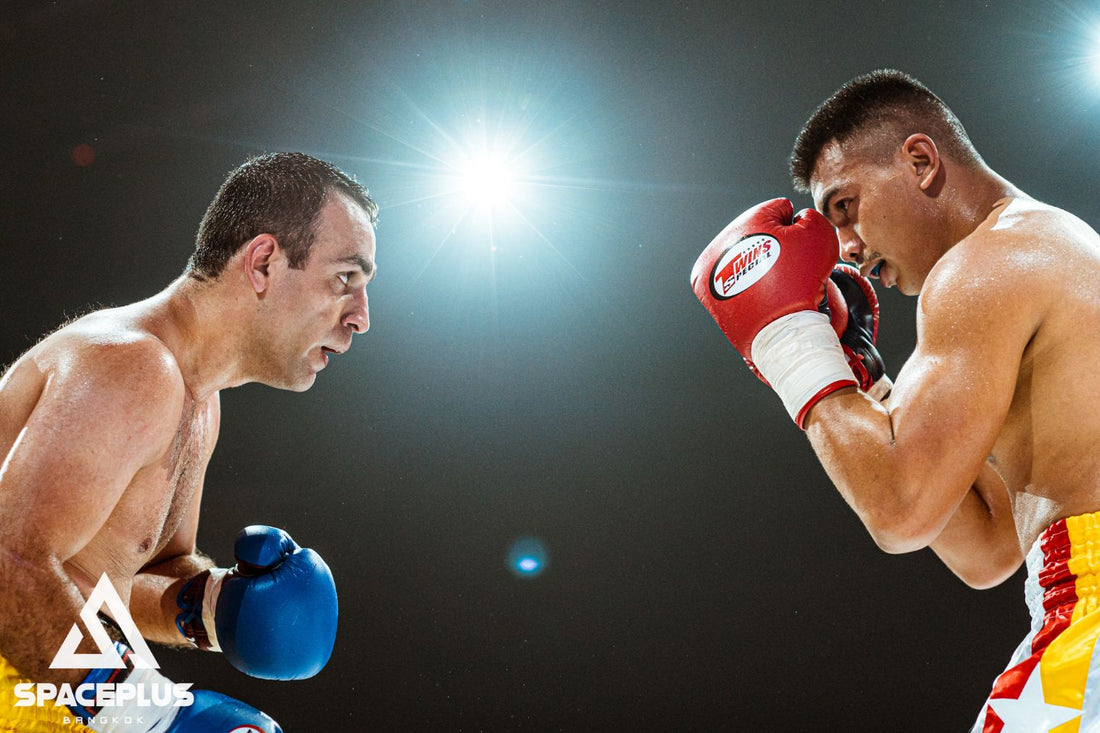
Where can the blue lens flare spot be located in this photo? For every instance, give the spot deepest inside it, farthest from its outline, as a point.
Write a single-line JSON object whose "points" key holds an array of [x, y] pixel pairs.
{"points": [[527, 558]]}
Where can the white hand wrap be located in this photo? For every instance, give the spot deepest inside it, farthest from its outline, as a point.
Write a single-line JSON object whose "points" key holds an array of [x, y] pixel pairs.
{"points": [[880, 389], [210, 602], [802, 359]]}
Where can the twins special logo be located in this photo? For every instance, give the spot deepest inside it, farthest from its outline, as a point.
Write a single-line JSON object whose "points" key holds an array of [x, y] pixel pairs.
{"points": [[743, 265]]}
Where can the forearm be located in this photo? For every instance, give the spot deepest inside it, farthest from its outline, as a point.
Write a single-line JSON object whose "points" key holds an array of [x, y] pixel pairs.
{"points": [[900, 479], [979, 543], [153, 598], [853, 438], [39, 604]]}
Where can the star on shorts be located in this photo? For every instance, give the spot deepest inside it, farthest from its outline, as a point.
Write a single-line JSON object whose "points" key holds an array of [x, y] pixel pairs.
{"points": [[1030, 712]]}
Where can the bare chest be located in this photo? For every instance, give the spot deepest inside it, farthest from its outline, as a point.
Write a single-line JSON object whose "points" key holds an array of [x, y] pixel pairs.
{"points": [[1045, 453], [156, 503]]}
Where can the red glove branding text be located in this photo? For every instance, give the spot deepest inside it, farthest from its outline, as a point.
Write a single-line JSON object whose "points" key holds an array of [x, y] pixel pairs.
{"points": [[743, 265]]}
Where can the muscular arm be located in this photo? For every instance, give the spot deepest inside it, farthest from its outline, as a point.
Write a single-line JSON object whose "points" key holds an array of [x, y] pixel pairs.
{"points": [[102, 414], [153, 597], [909, 470], [979, 543], [156, 588]]}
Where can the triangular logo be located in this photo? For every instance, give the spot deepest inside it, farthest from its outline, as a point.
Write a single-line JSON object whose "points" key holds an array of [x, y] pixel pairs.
{"points": [[104, 594]]}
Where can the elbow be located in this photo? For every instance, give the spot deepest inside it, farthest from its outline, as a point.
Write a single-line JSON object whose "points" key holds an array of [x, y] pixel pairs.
{"points": [[983, 571], [897, 543], [900, 531], [983, 580], [904, 518]]}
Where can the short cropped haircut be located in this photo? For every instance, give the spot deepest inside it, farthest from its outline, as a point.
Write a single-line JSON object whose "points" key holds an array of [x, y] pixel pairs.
{"points": [[875, 113], [279, 194]]}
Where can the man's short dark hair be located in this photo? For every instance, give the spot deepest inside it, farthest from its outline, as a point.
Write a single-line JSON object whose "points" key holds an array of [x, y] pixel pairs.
{"points": [[874, 113], [279, 194]]}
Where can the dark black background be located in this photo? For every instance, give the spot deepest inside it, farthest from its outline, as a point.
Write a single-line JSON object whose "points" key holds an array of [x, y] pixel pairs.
{"points": [[704, 574]]}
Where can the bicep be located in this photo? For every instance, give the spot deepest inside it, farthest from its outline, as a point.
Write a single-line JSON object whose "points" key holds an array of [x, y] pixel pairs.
{"points": [[952, 396]]}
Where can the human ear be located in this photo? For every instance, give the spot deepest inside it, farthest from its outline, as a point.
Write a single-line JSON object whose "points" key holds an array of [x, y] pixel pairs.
{"points": [[259, 254], [922, 158]]}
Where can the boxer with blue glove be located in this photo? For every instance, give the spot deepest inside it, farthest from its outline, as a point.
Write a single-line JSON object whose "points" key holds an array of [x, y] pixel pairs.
{"points": [[273, 614], [107, 427]]}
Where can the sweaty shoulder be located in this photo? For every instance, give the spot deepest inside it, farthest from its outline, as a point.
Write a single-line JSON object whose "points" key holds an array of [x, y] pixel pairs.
{"points": [[1020, 260], [101, 365]]}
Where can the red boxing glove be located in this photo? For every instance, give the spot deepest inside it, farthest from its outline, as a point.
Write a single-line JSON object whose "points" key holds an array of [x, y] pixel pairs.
{"points": [[763, 279], [858, 337]]}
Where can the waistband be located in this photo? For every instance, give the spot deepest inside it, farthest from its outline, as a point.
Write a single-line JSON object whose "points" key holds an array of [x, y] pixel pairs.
{"points": [[1063, 571], [48, 718]]}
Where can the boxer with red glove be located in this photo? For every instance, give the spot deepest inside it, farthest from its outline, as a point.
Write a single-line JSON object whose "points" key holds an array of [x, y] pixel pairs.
{"points": [[766, 280], [861, 331]]}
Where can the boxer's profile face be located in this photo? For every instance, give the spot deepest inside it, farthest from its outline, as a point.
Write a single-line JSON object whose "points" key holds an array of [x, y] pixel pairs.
{"points": [[312, 312], [881, 215]]}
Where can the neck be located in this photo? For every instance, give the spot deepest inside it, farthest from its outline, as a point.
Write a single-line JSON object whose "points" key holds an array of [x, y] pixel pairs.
{"points": [[972, 195], [202, 323]]}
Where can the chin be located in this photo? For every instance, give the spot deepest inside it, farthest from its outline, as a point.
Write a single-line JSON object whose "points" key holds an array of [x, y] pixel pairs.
{"points": [[293, 384], [303, 384]]}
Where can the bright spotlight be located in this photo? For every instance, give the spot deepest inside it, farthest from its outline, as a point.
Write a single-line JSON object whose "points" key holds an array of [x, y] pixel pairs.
{"points": [[527, 558], [488, 180], [1090, 50]]}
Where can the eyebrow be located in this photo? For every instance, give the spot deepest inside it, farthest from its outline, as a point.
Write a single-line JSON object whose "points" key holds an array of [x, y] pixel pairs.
{"points": [[827, 199], [367, 266]]}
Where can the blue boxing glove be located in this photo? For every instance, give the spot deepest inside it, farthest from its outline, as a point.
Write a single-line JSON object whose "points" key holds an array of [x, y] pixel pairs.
{"points": [[213, 711], [141, 700], [273, 614]]}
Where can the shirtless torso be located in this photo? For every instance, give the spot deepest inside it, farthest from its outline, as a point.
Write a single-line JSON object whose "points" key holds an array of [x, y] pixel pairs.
{"points": [[116, 505], [1045, 451]]}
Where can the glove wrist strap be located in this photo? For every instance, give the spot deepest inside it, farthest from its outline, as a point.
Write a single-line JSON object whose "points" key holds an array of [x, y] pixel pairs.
{"points": [[802, 359], [881, 389], [199, 599]]}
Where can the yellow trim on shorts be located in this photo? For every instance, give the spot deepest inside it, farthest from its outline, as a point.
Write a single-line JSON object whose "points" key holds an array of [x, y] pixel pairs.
{"points": [[1065, 663], [1084, 561], [49, 718]]}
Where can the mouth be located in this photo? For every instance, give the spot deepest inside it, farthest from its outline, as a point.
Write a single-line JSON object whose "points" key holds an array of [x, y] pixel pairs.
{"points": [[882, 272]]}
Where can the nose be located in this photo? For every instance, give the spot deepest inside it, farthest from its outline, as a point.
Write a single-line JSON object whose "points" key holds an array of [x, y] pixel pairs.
{"points": [[357, 318], [851, 246]]}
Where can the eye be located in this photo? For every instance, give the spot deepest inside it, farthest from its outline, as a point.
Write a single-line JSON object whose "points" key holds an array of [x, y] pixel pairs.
{"points": [[344, 277], [842, 211]]}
